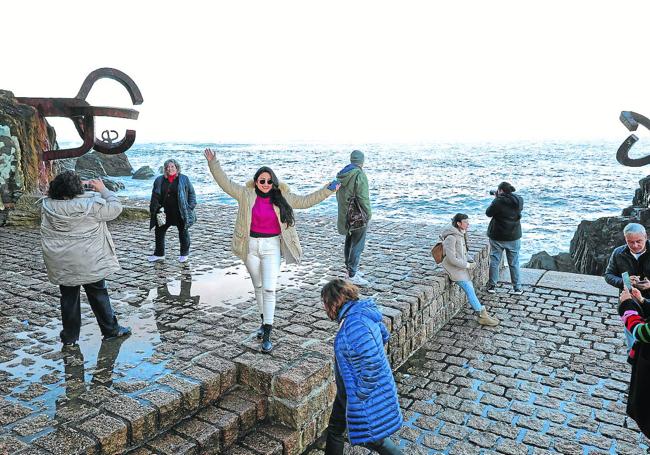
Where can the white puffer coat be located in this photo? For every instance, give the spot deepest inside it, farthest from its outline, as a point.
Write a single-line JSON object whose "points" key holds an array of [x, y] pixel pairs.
{"points": [[77, 246]]}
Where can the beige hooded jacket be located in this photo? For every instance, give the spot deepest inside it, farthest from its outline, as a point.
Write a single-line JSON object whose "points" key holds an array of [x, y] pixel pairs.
{"points": [[455, 262], [245, 196], [77, 246]]}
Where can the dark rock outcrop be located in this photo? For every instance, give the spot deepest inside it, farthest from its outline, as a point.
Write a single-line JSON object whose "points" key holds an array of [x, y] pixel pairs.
{"points": [[111, 165], [144, 173], [560, 263]]}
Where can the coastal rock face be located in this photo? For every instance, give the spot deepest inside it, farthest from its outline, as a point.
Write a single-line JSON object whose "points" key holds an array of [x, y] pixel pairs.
{"points": [[111, 165], [562, 262], [23, 136], [593, 242], [144, 173]]}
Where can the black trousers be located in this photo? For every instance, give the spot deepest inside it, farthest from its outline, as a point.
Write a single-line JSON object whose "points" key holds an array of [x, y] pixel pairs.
{"points": [[183, 237], [337, 425], [71, 310]]}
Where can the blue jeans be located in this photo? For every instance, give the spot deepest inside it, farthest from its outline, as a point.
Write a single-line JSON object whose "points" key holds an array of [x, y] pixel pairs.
{"points": [[512, 254], [355, 242], [468, 287]]}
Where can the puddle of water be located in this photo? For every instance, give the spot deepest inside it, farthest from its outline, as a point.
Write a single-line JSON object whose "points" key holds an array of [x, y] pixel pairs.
{"points": [[51, 381]]}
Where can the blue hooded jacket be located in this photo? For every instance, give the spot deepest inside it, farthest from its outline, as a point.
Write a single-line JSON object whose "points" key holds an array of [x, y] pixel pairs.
{"points": [[372, 411]]}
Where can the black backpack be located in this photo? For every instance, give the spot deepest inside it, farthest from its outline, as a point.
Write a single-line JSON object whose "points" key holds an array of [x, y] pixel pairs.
{"points": [[355, 217]]}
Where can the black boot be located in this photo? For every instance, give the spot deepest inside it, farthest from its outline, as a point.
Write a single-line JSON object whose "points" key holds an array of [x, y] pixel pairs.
{"points": [[267, 346], [260, 331]]}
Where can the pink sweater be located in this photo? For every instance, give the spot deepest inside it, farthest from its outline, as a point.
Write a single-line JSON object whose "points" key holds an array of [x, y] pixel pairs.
{"points": [[264, 220]]}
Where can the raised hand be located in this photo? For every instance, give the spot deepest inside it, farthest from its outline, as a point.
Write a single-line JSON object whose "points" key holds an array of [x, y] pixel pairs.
{"points": [[209, 154]]}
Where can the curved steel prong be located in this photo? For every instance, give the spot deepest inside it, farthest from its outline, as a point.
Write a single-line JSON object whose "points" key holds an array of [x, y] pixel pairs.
{"points": [[86, 128], [116, 147], [116, 75], [631, 120]]}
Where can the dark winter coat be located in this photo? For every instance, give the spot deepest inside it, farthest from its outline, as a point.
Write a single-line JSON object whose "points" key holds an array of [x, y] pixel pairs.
{"points": [[372, 410], [622, 260], [634, 316], [348, 176], [505, 211], [186, 200]]}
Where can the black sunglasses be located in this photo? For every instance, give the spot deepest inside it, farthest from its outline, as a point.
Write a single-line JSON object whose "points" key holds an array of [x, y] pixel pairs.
{"points": [[264, 182]]}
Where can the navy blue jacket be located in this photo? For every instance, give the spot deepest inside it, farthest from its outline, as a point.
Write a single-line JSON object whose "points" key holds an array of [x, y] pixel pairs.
{"points": [[186, 200], [372, 410]]}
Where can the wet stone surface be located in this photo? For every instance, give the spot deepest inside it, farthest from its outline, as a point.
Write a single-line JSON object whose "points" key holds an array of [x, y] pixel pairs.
{"points": [[189, 320]]}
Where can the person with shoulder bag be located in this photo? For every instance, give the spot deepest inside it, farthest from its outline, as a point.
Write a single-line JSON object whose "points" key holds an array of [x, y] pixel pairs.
{"points": [[172, 204], [265, 232], [354, 213], [457, 265]]}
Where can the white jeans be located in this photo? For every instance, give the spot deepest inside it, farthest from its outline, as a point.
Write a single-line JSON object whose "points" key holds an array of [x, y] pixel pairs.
{"points": [[263, 264]]}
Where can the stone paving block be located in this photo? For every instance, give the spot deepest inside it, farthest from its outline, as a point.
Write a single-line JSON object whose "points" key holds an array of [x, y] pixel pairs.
{"points": [[260, 401], [290, 439], [33, 425], [173, 444], [246, 410], [142, 418], [301, 378], [262, 444], [206, 436], [169, 405], [226, 368], [12, 413], [109, 431], [11, 445], [190, 391], [226, 421], [67, 441], [257, 371], [210, 383]]}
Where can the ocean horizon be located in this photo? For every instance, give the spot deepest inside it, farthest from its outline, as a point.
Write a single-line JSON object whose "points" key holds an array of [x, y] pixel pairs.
{"points": [[562, 182]]}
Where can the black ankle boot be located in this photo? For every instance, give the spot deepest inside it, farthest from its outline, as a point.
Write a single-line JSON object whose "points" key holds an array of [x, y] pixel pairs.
{"points": [[260, 331], [267, 346]]}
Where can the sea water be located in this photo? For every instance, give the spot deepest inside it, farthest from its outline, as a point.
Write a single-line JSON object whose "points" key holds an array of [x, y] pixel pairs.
{"points": [[562, 183]]}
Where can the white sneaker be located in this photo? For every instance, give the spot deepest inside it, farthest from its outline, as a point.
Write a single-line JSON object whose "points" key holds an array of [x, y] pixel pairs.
{"points": [[155, 258], [359, 281], [183, 258]]}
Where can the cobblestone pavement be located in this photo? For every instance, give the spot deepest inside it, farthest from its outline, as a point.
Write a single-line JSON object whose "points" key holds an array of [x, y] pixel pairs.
{"points": [[201, 313], [552, 378]]}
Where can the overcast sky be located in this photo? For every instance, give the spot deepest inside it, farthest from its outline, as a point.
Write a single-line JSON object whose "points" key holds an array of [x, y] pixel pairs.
{"points": [[350, 71]]}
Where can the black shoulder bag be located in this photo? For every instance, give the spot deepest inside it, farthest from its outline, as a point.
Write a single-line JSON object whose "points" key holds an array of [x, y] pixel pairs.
{"points": [[355, 217]]}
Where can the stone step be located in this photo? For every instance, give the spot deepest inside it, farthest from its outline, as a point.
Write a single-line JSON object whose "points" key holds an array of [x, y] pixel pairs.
{"points": [[234, 425]]}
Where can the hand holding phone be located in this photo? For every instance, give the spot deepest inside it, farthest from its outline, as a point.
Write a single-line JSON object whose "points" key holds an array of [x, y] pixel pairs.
{"points": [[627, 284], [333, 185]]}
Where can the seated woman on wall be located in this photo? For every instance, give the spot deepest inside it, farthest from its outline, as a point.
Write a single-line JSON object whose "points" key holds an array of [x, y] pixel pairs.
{"points": [[366, 396], [457, 265]]}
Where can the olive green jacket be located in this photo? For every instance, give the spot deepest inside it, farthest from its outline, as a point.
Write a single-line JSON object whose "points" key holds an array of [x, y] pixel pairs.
{"points": [[245, 196], [347, 177]]}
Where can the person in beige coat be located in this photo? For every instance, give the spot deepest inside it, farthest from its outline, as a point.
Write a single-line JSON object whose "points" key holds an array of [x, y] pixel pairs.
{"points": [[457, 264], [78, 250], [265, 232]]}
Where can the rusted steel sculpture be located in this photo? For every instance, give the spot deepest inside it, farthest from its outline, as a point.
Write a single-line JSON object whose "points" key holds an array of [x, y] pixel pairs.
{"points": [[83, 116], [631, 120]]}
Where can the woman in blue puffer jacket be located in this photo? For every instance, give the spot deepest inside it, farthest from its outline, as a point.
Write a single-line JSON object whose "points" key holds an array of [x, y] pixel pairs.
{"points": [[366, 396]]}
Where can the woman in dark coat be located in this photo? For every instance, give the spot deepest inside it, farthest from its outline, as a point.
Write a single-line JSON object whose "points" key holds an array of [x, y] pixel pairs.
{"points": [[634, 311], [366, 396], [172, 193]]}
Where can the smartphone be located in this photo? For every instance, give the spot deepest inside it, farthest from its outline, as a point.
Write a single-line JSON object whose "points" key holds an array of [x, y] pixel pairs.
{"points": [[627, 284], [88, 187], [332, 186]]}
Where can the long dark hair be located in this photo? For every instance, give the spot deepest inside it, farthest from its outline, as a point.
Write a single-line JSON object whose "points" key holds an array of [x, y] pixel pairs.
{"points": [[286, 212], [66, 185]]}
